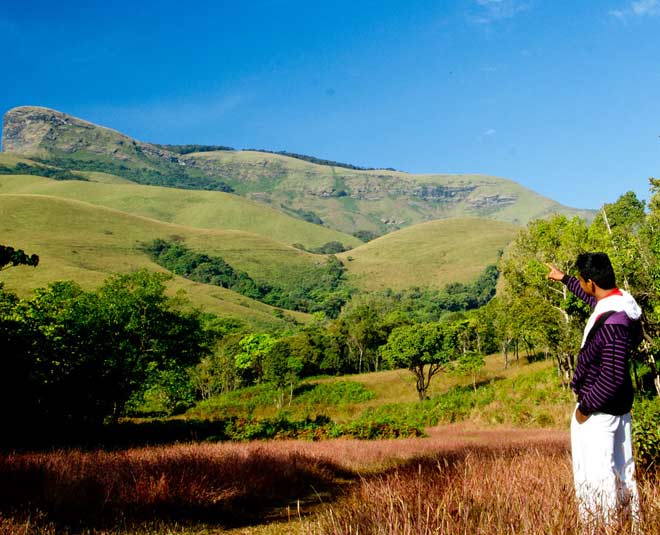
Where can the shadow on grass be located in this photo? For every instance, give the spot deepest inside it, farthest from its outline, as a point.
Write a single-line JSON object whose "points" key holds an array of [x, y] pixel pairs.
{"points": [[78, 491], [157, 432]]}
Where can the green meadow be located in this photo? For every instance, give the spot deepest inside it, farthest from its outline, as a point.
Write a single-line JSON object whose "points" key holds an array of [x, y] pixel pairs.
{"points": [[429, 254], [202, 209], [87, 243]]}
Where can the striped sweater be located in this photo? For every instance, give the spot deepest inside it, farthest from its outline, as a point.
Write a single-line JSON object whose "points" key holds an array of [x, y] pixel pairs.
{"points": [[601, 379]]}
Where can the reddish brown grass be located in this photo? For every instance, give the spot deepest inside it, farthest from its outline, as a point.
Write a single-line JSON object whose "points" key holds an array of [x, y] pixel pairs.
{"points": [[459, 480], [515, 489]]}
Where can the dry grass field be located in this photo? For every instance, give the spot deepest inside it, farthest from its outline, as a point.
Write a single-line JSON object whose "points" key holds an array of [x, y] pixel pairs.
{"points": [[461, 479]]}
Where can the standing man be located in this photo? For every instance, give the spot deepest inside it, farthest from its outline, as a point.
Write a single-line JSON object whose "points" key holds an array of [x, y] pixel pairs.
{"points": [[601, 444]]}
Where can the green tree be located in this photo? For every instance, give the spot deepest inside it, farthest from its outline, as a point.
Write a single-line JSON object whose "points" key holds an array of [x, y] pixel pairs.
{"points": [[530, 304], [424, 349], [153, 333], [82, 355], [463, 336], [250, 360], [282, 369], [10, 257]]}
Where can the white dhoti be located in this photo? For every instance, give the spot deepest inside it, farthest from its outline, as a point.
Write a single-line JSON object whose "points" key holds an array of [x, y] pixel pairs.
{"points": [[603, 468]]}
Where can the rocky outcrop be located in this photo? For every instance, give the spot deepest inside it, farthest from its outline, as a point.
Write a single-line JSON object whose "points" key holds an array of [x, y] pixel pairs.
{"points": [[32, 130], [24, 129]]}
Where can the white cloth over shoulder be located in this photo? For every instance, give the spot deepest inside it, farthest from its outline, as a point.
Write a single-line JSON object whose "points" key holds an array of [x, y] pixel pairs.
{"points": [[617, 301]]}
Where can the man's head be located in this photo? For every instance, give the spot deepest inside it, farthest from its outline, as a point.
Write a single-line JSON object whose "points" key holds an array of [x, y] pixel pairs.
{"points": [[597, 268]]}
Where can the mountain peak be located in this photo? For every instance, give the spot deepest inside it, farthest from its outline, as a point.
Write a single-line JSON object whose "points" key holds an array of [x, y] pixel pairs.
{"points": [[29, 129]]}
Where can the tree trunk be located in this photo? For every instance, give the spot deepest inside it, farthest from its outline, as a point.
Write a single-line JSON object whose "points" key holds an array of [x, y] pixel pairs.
{"points": [[654, 369]]}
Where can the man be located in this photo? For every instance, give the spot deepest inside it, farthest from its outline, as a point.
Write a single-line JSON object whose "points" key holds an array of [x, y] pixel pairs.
{"points": [[603, 466]]}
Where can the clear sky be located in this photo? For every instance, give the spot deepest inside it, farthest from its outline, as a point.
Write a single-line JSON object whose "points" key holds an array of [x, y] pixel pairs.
{"points": [[561, 96]]}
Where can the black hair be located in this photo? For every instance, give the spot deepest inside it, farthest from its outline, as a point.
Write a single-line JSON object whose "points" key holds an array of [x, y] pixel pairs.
{"points": [[598, 268]]}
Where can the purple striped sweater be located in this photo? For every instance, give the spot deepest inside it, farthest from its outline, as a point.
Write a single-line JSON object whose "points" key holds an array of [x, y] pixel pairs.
{"points": [[601, 379]]}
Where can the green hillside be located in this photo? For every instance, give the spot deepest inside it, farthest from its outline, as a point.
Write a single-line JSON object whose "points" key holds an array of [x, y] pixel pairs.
{"points": [[430, 254], [87, 243], [375, 200], [345, 199], [202, 209]]}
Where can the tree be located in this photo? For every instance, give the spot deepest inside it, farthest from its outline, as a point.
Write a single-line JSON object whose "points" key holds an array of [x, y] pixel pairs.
{"points": [[153, 333], [368, 321], [10, 257], [81, 355], [250, 360], [282, 369], [425, 349], [531, 305]]}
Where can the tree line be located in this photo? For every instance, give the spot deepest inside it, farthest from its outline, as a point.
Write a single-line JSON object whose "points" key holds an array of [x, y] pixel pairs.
{"points": [[323, 289], [75, 357]]}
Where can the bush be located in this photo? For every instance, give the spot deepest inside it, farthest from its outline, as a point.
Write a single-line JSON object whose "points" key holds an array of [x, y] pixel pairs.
{"points": [[646, 432], [339, 393], [366, 428]]}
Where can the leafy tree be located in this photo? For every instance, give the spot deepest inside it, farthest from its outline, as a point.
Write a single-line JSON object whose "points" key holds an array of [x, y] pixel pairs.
{"points": [[82, 355], [10, 257], [424, 349], [365, 331], [463, 335], [250, 360], [151, 332], [282, 368], [532, 308], [216, 373]]}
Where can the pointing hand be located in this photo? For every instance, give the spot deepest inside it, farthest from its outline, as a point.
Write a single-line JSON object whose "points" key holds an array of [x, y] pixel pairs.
{"points": [[554, 274]]}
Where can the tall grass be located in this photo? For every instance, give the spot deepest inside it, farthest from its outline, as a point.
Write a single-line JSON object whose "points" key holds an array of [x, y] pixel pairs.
{"points": [[76, 491], [458, 480], [483, 491]]}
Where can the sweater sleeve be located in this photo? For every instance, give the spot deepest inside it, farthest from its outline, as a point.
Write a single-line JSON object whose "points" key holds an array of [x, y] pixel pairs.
{"points": [[574, 286], [610, 384]]}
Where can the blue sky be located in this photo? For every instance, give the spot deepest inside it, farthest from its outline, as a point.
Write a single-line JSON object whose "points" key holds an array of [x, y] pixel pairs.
{"points": [[560, 96]]}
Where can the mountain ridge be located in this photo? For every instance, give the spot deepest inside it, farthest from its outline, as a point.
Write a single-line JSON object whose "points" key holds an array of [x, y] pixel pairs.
{"points": [[346, 199]]}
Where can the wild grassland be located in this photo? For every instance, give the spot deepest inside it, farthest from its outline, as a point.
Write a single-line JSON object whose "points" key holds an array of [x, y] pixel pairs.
{"points": [[201, 209], [469, 477], [86, 243], [460, 479], [429, 254]]}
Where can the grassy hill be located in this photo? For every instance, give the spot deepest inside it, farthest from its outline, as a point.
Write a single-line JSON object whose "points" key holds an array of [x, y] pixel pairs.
{"points": [[375, 200], [345, 199], [201, 209], [429, 254], [87, 243]]}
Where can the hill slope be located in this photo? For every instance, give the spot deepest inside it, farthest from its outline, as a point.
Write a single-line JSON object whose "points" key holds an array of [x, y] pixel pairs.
{"points": [[375, 200], [429, 254], [87, 243], [201, 209], [344, 199]]}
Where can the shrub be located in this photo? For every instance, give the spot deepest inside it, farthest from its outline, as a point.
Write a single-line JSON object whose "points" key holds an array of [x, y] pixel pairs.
{"points": [[646, 432], [339, 393]]}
